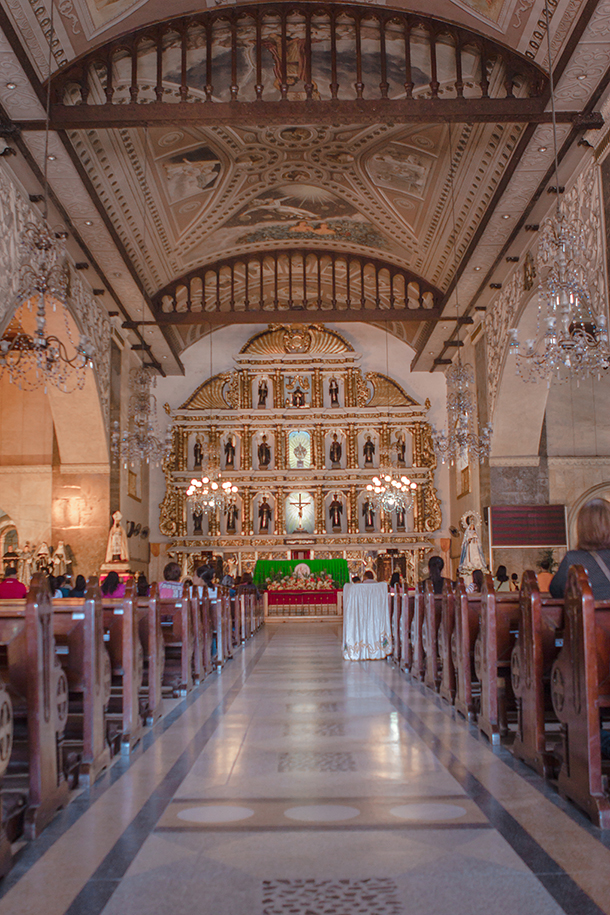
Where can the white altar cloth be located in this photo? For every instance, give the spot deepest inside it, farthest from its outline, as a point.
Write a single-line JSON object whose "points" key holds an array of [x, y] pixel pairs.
{"points": [[366, 621]]}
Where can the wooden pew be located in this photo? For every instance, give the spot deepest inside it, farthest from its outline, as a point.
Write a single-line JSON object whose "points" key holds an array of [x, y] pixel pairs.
{"points": [[445, 639], [466, 630], [151, 636], [499, 621], [6, 746], [80, 648], [580, 687], [395, 607], [406, 622], [121, 625], [39, 690], [531, 660], [180, 627], [417, 667], [432, 616]]}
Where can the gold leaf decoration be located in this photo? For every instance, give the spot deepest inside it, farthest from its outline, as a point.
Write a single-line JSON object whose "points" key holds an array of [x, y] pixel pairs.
{"points": [[310, 339], [387, 392], [210, 394]]}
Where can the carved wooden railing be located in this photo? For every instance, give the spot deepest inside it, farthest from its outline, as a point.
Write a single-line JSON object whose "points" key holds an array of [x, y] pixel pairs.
{"points": [[294, 281], [296, 53]]}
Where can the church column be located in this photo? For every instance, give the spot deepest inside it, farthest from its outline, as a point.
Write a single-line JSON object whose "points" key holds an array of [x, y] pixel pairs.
{"points": [[319, 508], [280, 522], [181, 522], [386, 522], [353, 510], [182, 448], [246, 511], [417, 445], [246, 448], [317, 394], [384, 444], [245, 390], [419, 505], [352, 456], [214, 436], [277, 389], [350, 397], [213, 524], [318, 448], [280, 449]]}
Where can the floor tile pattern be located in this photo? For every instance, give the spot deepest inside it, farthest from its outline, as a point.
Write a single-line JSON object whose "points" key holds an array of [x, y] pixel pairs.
{"points": [[331, 897], [306, 761]]}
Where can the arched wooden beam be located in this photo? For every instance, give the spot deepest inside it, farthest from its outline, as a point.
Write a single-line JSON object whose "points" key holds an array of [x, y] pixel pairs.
{"points": [[291, 63], [297, 284]]}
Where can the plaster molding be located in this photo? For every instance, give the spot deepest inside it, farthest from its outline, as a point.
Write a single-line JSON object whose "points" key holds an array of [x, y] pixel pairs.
{"points": [[526, 460], [577, 461], [84, 468]]}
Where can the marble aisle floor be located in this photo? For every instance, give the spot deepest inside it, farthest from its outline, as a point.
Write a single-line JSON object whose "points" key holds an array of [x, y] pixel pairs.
{"points": [[295, 783]]}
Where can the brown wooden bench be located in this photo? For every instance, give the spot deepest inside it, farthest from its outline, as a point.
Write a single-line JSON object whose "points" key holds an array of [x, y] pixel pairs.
{"points": [[580, 688], [466, 631], [417, 667], [407, 612], [180, 627], [122, 636], [540, 622], [498, 624], [6, 746], [445, 640], [38, 687], [432, 621]]}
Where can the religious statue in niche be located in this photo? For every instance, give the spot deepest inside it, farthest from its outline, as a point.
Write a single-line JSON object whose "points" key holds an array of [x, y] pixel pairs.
{"points": [[117, 550], [471, 556], [369, 452], [198, 522], [263, 393], [333, 390], [197, 453], [264, 516], [43, 558], [335, 452], [401, 448], [232, 513], [264, 454], [298, 397], [368, 513], [60, 560], [400, 519], [296, 386], [26, 561], [230, 452], [335, 510]]}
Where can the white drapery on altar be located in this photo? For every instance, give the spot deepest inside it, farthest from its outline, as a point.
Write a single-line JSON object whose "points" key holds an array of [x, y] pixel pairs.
{"points": [[366, 622]]}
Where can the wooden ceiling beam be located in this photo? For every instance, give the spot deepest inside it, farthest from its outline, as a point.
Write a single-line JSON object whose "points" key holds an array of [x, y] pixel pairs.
{"points": [[298, 316]]}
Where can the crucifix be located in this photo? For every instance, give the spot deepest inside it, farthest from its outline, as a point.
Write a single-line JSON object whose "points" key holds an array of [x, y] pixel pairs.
{"points": [[300, 505]]}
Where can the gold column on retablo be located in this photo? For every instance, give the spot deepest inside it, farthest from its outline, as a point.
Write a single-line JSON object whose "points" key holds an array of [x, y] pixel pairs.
{"points": [[246, 448], [277, 389], [319, 506], [353, 510], [246, 510], [280, 521], [352, 456], [280, 449]]}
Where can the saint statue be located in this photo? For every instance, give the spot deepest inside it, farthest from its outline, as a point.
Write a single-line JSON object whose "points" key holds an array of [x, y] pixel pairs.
{"points": [[335, 510], [263, 392], [198, 522], [231, 513], [471, 557], [368, 513], [264, 516], [333, 390], [335, 452], [59, 560], [198, 453], [26, 561], [298, 397], [230, 452], [117, 550], [400, 519], [264, 454], [369, 452], [401, 448], [43, 558]]}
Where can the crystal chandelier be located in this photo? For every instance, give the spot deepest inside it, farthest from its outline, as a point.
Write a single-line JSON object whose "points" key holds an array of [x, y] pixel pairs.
{"points": [[211, 493], [37, 359], [462, 440], [388, 493], [140, 442], [572, 331]]}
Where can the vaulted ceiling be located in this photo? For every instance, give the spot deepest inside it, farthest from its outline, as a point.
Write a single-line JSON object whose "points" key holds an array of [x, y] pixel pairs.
{"points": [[298, 134]]}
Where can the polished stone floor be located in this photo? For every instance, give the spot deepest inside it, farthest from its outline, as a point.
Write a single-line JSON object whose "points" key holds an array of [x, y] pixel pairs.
{"points": [[295, 783]]}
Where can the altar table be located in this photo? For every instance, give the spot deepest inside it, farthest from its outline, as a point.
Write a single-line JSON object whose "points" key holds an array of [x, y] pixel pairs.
{"points": [[302, 603], [367, 634]]}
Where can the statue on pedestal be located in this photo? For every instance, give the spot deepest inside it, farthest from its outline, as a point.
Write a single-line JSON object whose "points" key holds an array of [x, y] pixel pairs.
{"points": [[59, 560], [230, 452], [198, 522], [264, 516], [333, 390], [117, 550], [197, 453], [335, 510], [400, 519], [335, 452], [401, 448], [43, 558], [231, 512], [264, 454], [26, 561], [263, 392], [369, 452], [368, 513], [471, 556]]}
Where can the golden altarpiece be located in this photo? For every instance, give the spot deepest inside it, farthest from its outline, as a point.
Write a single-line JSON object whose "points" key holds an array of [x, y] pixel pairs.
{"points": [[301, 430]]}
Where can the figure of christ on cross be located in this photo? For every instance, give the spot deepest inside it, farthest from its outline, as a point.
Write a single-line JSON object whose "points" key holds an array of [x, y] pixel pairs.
{"points": [[300, 505]]}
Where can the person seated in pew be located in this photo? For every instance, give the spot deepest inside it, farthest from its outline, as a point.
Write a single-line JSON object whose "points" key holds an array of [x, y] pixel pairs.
{"points": [[592, 551], [10, 586], [80, 587], [142, 586], [171, 587], [545, 576], [514, 582], [112, 586], [476, 585], [436, 564], [502, 579]]}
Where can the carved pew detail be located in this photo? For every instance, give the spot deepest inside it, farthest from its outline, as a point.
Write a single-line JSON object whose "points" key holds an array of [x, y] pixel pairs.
{"points": [[446, 631], [580, 686], [499, 617], [432, 617]]}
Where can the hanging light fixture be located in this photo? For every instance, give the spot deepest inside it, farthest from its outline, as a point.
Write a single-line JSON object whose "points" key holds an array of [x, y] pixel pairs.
{"points": [[389, 493], [140, 442], [463, 440], [572, 330], [38, 359], [211, 493]]}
